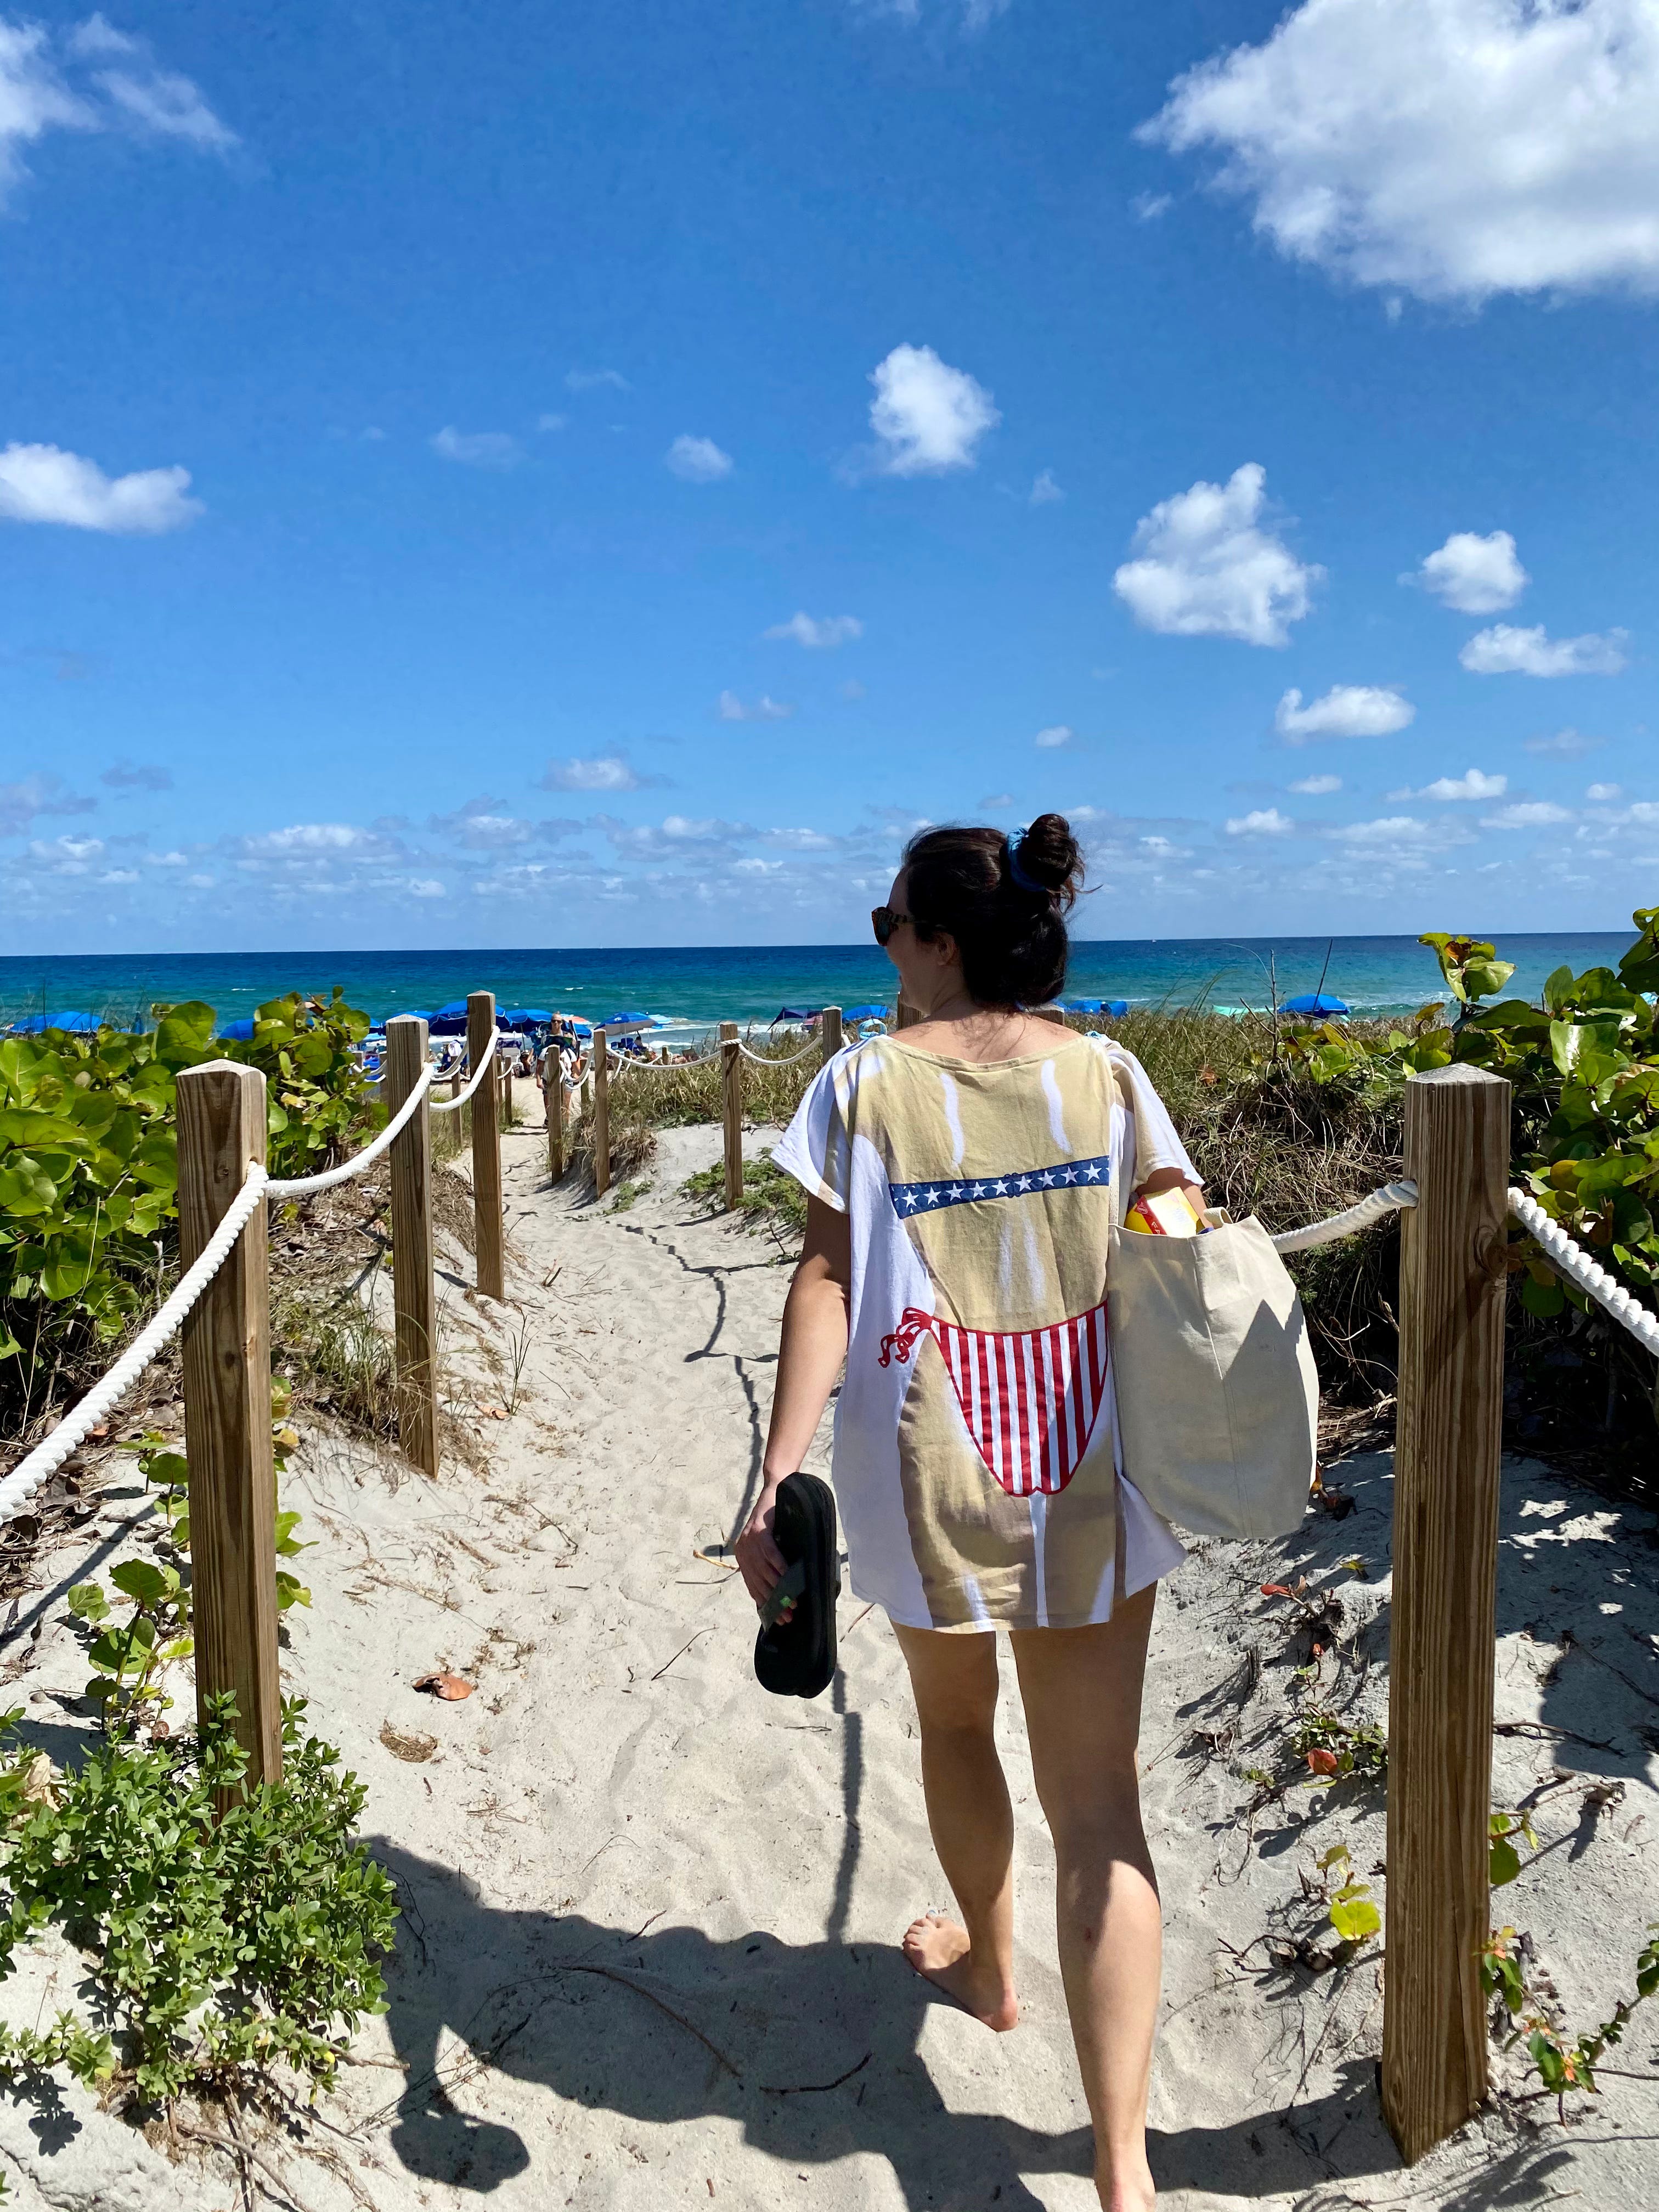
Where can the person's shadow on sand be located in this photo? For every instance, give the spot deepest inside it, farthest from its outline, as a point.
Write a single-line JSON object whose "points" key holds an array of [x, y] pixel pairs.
{"points": [[812, 2049]]}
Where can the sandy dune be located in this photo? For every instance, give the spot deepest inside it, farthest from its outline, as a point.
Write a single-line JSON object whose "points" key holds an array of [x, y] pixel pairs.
{"points": [[649, 1951]]}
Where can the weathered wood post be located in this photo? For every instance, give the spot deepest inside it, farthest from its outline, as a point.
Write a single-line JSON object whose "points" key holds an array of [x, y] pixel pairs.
{"points": [[905, 1016], [732, 1110], [554, 1094], [486, 1144], [601, 1114], [227, 1373], [414, 1287], [829, 1038], [1442, 1639]]}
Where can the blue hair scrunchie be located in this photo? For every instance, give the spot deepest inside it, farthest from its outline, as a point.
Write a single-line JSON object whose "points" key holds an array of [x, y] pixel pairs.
{"points": [[1018, 875]]}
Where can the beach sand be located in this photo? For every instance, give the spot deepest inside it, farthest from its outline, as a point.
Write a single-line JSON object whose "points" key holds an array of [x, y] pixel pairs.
{"points": [[649, 1952]]}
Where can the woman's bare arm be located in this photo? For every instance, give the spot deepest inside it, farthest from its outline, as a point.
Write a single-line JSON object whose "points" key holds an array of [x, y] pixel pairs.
{"points": [[811, 1356]]}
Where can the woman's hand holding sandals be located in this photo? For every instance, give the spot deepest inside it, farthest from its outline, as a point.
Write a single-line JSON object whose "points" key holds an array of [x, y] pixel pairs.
{"points": [[759, 1561]]}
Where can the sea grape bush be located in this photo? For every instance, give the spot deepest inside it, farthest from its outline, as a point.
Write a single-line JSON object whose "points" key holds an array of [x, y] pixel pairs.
{"points": [[1584, 1061], [87, 1176], [218, 1946]]}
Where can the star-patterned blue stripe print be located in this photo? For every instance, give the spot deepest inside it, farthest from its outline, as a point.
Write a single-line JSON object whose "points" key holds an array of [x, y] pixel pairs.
{"points": [[913, 1198]]}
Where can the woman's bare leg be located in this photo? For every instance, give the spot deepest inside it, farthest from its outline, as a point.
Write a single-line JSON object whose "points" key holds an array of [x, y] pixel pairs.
{"points": [[955, 1682], [1081, 1688]]}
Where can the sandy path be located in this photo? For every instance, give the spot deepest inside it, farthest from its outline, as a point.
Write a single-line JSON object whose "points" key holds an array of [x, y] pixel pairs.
{"points": [[649, 1953]]}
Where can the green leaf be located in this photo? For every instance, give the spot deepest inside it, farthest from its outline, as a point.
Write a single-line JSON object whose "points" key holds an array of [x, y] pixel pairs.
{"points": [[26, 1187], [1504, 1862], [1545, 1300], [86, 1602], [144, 1583], [1354, 1917]]}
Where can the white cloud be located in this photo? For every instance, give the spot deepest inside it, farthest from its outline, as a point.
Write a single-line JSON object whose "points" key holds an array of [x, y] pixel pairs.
{"points": [[596, 380], [928, 416], [1044, 491], [67, 856], [22, 801], [1260, 821], [426, 887], [605, 772], [1452, 148], [1059, 734], [156, 100], [1150, 205], [1317, 787], [130, 95], [1604, 792], [851, 688], [1204, 568], [1527, 814], [697, 460], [477, 449], [120, 876], [1391, 829], [819, 633], [1503, 650], [43, 483], [136, 775], [551, 421], [1475, 575], [1347, 710], [975, 15], [1471, 784], [1566, 744], [765, 709], [312, 840]]}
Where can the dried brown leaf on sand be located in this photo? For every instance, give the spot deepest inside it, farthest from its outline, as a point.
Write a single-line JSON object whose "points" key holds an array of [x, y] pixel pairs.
{"points": [[412, 1748]]}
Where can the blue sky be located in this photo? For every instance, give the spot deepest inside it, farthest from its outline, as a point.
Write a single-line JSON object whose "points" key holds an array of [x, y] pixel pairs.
{"points": [[521, 476]]}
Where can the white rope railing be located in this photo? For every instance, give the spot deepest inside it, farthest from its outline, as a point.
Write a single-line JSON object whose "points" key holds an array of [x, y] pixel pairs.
{"points": [[451, 1105], [303, 1186], [1580, 1267], [621, 1063], [44, 1462], [1392, 1198], [771, 1060], [47, 1457]]}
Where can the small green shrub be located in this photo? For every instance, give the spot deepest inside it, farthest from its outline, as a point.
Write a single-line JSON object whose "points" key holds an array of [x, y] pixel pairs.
{"points": [[772, 1199], [218, 1945]]}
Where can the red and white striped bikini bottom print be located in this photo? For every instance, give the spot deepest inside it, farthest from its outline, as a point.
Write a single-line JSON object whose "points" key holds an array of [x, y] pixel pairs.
{"points": [[1029, 1397]]}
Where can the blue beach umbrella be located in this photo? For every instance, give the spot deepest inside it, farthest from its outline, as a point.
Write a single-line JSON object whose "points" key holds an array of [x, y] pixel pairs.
{"points": [[75, 1024], [240, 1032], [518, 1018], [1316, 1002], [795, 1014], [864, 1014]]}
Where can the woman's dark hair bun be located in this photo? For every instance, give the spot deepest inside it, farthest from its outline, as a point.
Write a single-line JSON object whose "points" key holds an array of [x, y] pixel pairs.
{"points": [[1049, 855], [1003, 899]]}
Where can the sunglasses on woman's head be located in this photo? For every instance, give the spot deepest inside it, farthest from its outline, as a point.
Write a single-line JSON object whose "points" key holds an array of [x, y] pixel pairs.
{"points": [[885, 921]]}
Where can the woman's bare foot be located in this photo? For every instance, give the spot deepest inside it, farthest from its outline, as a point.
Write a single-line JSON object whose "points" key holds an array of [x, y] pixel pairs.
{"points": [[1130, 2191], [940, 1953]]}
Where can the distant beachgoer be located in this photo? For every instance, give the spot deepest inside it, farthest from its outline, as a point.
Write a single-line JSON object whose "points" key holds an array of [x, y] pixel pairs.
{"points": [[959, 1180]]}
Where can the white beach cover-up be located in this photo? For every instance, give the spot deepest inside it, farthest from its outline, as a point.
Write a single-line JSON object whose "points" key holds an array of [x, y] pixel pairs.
{"points": [[976, 1460]]}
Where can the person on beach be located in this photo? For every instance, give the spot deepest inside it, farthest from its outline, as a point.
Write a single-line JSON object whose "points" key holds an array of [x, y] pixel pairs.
{"points": [[961, 1179]]}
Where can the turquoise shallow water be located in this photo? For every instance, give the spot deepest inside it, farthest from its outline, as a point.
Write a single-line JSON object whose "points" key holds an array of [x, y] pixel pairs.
{"points": [[750, 983]]}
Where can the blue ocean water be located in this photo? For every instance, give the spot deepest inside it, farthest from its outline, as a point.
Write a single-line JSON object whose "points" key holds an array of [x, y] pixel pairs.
{"points": [[697, 985]]}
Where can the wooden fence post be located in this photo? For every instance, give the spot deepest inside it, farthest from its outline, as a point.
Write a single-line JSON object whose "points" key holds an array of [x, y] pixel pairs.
{"points": [[732, 1110], [227, 1372], [553, 1094], [829, 1031], [905, 1016], [601, 1114], [414, 1288], [486, 1145], [1447, 1437]]}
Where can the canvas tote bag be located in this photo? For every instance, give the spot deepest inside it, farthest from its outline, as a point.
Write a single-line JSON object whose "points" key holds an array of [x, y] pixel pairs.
{"points": [[1218, 1399]]}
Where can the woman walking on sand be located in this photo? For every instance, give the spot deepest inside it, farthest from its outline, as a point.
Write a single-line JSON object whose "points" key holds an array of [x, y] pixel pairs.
{"points": [[961, 1180]]}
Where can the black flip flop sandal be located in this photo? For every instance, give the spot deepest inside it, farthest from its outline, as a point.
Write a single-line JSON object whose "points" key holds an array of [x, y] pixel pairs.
{"points": [[796, 1657]]}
